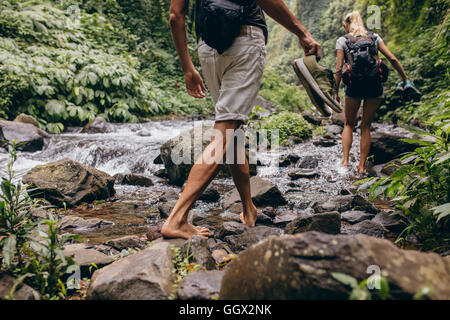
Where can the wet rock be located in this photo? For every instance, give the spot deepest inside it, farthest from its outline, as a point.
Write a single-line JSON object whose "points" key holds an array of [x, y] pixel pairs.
{"points": [[178, 171], [269, 211], [161, 173], [263, 219], [355, 216], [31, 137], [329, 222], [286, 161], [133, 179], [86, 225], [98, 125], [311, 118], [338, 118], [169, 195], [303, 173], [346, 203], [264, 193], [394, 223], [70, 182], [232, 228], [293, 140], [344, 192], [230, 216], [85, 256], [23, 291], [283, 218], [301, 267], [324, 142], [218, 255], [391, 167], [24, 118], [334, 129], [166, 208], [308, 162], [126, 242], [154, 232], [200, 285], [146, 275], [388, 146], [199, 248], [366, 227], [158, 160], [250, 236], [236, 208], [210, 195]]}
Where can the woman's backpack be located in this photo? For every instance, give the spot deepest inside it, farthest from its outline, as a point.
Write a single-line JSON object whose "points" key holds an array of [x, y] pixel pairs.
{"points": [[221, 22], [363, 66]]}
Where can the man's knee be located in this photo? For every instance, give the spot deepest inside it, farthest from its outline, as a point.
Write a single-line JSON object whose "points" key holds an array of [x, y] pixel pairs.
{"points": [[350, 123]]}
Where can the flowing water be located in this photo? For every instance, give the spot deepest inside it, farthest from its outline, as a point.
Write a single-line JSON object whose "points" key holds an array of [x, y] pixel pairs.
{"points": [[131, 148]]}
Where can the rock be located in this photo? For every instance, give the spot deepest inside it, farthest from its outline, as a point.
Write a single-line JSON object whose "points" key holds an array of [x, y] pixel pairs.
{"points": [[263, 219], [199, 248], [366, 227], [70, 182], [210, 195], [394, 223], [218, 255], [24, 118], [301, 266], [334, 129], [23, 291], [87, 225], [250, 236], [133, 179], [329, 222], [232, 228], [98, 125], [146, 275], [283, 218], [346, 203], [154, 232], [30, 137], [126, 242], [391, 167], [303, 173], [166, 208], [85, 257], [355, 216], [178, 171], [293, 140], [158, 160], [267, 105], [200, 285], [169, 195], [308, 162], [236, 208], [161, 173], [387, 146], [286, 161], [264, 193], [324, 142], [311, 118], [338, 118]]}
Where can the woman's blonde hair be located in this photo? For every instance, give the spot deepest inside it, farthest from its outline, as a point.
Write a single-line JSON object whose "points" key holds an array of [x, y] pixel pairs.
{"points": [[355, 24]]}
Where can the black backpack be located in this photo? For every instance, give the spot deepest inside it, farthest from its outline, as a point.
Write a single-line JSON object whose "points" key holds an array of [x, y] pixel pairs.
{"points": [[363, 66], [221, 22]]}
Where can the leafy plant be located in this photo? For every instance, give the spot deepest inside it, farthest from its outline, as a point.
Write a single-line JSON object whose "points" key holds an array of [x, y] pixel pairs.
{"points": [[288, 124], [360, 290]]}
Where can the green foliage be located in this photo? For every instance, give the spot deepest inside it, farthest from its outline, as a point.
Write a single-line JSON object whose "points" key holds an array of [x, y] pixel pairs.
{"points": [[30, 251], [360, 290], [288, 124], [421, 187]]}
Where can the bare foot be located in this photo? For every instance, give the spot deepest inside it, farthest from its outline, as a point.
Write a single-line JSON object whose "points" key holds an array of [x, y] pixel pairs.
{"points": [[361, 170], [249, 219], [186, 231], [344, 163]]}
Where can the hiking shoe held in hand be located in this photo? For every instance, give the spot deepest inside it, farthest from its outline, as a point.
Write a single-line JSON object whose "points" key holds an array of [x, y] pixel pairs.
{"points": [[411, 92], [318, 82], [399, 91]]}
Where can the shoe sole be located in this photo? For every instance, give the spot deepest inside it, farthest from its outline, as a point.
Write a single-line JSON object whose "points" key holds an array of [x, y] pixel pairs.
{"points": [[411, 93], [306, 77]]}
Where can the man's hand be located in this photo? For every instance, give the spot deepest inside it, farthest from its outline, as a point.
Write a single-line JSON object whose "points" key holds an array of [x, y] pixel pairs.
{"points": [[336, 96], [311, 46], [194, 84]]}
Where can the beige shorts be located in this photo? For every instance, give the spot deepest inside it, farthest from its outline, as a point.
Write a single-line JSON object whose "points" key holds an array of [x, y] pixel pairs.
{"points": [[234, 77]]}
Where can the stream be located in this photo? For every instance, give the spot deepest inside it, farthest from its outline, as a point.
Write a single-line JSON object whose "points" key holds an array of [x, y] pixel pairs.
{"points": [[132, 148]]}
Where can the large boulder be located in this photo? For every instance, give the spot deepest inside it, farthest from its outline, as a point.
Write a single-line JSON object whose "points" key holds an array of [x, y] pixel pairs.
{"points": [[387, 146], [198, 247], [329, 222], [70, 182], [85, 256], [264, 193], [25, 118], [200, 285], [133, 179], [346, 203], [178, 171], [301, 267], [98, 125], [146, 275], [30, 137], [23, 291]]}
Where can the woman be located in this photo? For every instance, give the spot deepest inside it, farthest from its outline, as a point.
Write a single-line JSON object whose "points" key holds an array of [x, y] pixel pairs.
{"points": [[370, 93]]}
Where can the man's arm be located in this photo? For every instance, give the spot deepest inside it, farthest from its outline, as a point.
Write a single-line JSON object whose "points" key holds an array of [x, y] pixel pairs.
{"points": [[278, 10], [194, 82]]}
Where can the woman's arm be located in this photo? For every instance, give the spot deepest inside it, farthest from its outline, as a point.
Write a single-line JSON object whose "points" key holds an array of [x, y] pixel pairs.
{"points": [[393, 60], [338, 74]]}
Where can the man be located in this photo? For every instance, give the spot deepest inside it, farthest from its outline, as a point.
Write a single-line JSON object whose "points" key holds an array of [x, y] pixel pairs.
{"points": [[233, 79]]}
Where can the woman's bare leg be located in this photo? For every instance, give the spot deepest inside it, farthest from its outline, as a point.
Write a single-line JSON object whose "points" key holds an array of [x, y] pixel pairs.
{"points": [[369, 109], [202, 173], [351, 112]]}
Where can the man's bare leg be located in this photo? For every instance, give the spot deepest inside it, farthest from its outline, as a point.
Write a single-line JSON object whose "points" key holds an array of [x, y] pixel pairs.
{"points": [[241, 178], [202, 173]]}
